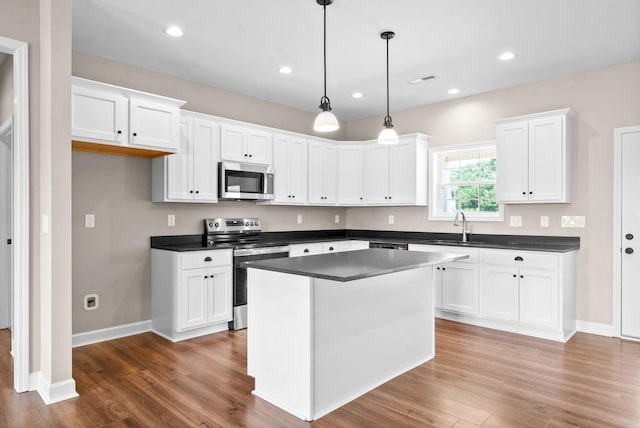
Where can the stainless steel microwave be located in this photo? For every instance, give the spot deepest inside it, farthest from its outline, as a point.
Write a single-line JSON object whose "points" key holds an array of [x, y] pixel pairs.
{"points": [[243, 181]]}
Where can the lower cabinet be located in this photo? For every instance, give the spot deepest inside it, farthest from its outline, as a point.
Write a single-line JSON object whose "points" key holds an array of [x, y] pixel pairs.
{"points": [[191, 292], [309, 249], [525, 292]]}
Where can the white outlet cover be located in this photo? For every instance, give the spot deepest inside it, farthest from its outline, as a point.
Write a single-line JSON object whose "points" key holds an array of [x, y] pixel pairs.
{"points": [[391, 219], [337, 219], [544, 221], [171, 220], [299, 218], [573, 221], [89, 221], [515, 221]]}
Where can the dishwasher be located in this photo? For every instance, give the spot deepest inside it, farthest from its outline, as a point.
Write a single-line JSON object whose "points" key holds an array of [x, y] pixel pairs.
{"points": [[389, 245]]}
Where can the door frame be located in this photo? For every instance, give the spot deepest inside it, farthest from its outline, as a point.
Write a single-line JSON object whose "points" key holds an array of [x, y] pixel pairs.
{"points": [[20, 207], [617, 225], [6, 134]]}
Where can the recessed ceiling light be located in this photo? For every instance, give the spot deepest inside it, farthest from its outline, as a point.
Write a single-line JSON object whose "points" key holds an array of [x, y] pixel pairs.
{"points": [[453, 91], [174, 31], [506, 56], [285, 69], [357, 95]]}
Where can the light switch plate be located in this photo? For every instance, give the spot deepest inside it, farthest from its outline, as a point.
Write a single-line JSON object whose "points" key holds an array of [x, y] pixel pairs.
{"points": [[299, 218], [515, 221], [391, 219], [573, 221], [171, 220], [89, 221], [544, 221]]}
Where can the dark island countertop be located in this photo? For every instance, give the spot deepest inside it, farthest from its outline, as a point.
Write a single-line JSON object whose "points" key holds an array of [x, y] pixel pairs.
{"points": [[352, 265]]}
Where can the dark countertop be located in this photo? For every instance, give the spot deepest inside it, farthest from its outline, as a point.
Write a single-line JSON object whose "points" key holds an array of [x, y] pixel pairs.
{"points": [[352, 265], [556, 244]]}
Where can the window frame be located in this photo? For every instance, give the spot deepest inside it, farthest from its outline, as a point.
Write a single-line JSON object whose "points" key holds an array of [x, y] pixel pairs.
{"points": [[434, 211]]}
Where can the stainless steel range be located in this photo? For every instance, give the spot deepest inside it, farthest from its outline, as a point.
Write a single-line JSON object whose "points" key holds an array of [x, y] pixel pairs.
{"points": [[244, 235]]}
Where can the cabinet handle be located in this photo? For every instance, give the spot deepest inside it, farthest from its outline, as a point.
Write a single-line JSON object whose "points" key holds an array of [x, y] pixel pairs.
{"points": [[531, 193], [389, 197], [293, 196], [521, 276], [119, 131], [518, 259], [135, 134], [245, 155], [360, 198], [197, 191], [515, 276], [330, 248], [289, 196], [250, 156], [438, 268], [205, 277], [524, 193], [207, 259], [306, 250], [190, 191]]}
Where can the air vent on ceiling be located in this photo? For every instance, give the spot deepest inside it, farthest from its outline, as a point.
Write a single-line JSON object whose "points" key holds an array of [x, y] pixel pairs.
{"points": [[422, 79]]}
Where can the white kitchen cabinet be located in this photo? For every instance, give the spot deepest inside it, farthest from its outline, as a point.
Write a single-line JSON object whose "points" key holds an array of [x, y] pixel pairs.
{"points": [[534, 158], [350, 174], [191, 292], [245, 144], [396, 174], [290, 156], [307, 249], [313, 248], [127, 121], [192, 174], [323, 173]]}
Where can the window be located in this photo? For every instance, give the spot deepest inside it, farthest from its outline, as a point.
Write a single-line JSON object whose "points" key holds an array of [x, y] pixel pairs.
{"points": [[464, 179]]}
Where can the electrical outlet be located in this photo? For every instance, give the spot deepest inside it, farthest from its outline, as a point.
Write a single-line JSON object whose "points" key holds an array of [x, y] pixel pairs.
{"points": [[89, 221], [573, 221], [299, 218], [171, 220], [544, 221], [515, 221], [337, 219], [91, 302], [391, 219]]}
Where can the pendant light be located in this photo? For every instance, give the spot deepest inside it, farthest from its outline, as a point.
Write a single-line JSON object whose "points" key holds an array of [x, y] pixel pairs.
{"points": [[325, 121], [388, 135]]}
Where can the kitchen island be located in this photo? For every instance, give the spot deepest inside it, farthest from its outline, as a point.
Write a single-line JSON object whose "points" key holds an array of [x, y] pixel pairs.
{"points": [[325, 329]]}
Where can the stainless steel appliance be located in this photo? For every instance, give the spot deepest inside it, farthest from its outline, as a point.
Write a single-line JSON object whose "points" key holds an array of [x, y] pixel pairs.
{"points": [[389, 245], [241, 181], [243, 234]]}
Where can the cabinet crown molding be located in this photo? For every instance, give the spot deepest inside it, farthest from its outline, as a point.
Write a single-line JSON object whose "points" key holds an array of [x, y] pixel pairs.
{"points": [[552, 113]]}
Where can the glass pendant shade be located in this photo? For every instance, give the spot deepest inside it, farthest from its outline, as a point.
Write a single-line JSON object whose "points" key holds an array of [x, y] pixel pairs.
{"points": [[325, 122], [388, 136]]}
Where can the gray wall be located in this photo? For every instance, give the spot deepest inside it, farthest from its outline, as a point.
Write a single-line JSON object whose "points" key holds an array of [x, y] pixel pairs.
{"points": [[602, 100], [6, 88]]}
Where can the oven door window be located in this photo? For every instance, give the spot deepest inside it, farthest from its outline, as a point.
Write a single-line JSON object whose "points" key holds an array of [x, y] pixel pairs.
{"points": [[244, 182]]}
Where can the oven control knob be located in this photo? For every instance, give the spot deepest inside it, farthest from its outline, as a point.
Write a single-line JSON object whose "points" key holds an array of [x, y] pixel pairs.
{"points": [[246, 224], [217, 224], [252, 224], [257, 224], [210, 224]]}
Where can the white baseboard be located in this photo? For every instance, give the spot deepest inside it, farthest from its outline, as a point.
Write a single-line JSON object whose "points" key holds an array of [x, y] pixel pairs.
{"points": [[109, 333], [52, 392], [595, 328]]}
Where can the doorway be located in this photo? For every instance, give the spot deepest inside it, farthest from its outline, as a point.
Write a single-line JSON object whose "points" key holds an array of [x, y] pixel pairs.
{"points": [[6, 224], [627, 232]]}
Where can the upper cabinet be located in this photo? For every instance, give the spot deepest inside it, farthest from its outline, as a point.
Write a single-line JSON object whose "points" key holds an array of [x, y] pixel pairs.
{"points": [[107, 118], [396, 174], [323, 172], [245, 144], [351, 174], [290, 170], [534, 158], [190, 175]]}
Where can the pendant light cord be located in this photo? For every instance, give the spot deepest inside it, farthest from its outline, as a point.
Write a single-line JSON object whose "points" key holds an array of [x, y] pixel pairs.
{"points": [[387, 78], [324, 7]]}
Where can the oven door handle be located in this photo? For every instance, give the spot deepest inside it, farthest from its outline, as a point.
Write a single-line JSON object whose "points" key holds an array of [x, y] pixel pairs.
{"points": [[258, 251]]}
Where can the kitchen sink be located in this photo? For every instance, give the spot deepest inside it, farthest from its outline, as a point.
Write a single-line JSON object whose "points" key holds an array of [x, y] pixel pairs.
{"points": [[453, 243]]}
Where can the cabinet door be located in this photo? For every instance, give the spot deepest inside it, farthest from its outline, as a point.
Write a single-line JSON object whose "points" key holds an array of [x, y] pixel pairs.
{"points": [[402, 173], [512, 162], [193, 299], [350, 175], [281, 163], [298, 171], [539, 297], [179, 180], [99, 115], [330, 173], [499, 292], [546, 159], [316, 173], [233, 143], [376, 174], [205, 160], [460, 288], [154, 125], [219, 295], [259, 146]]}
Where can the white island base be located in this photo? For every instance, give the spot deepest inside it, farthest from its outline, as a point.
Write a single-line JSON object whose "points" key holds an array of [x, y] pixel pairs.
{"points": [[316, 344]]}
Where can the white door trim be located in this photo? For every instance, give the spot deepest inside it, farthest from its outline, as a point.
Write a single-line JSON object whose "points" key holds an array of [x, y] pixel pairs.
{"points": [[617, 226], [20, 206]]}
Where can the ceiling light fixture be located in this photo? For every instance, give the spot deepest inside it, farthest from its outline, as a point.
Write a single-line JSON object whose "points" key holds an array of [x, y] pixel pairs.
{"points": [[453, 91], [388, 135], [285, 70], [174, 31], [507, 56], [357, 95], [325, 121]]}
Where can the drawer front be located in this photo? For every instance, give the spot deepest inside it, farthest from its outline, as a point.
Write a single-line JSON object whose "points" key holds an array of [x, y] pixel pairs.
{"points": [[525, 259], [471, 252], [204, 259], [309, 249]]}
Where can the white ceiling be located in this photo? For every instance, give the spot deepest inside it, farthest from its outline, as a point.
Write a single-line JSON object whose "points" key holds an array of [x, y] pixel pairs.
{"points": [[239, 45]]}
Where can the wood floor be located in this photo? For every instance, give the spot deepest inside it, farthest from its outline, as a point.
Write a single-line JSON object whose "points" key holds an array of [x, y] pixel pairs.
{"points": [[480, 377]]}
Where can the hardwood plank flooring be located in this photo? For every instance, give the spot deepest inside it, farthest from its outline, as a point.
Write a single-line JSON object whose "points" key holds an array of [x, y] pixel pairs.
{"points": [[479, 378]]}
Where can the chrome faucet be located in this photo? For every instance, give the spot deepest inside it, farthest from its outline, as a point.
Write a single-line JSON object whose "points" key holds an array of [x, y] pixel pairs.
{"points": [[464, 225]]}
